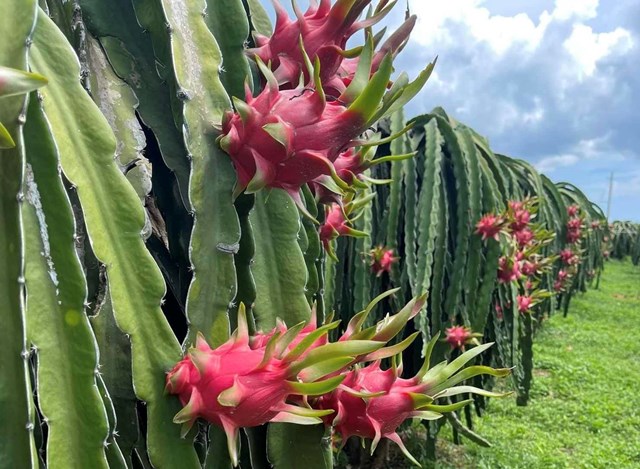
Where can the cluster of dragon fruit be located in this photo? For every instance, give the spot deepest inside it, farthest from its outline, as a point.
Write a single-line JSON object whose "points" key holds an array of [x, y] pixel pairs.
{"points": [[310, 126], [522, 242], [296, 375]]}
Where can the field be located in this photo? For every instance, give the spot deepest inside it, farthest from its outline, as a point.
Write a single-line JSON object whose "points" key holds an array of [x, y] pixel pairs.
{"points": [[585, 406]]}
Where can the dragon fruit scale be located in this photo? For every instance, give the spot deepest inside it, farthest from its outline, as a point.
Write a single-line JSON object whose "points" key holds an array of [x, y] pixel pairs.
{"points": [[373, 403], [242, 385]]}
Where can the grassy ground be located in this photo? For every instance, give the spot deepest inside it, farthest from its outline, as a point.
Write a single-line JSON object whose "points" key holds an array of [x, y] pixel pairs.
{"points": [[585, 402]]}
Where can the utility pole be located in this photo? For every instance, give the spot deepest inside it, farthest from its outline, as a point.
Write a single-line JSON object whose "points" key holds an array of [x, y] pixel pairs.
{"points": [[610, 193]]}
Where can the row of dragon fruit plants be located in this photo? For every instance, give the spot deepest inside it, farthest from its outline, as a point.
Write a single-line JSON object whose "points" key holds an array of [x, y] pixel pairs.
{"points": [[497, 246], [625, 241], [166, 185]]}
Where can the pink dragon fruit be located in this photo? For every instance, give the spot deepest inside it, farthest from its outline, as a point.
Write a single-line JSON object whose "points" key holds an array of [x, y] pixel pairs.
{"points": [[373, 403], [574, 224], [324, 30], [508, 270], [529, 268], [515, 205], [284, 139], [523, 237], [524, 303], [459, 336], [568, 257], [520, 220], [489, 226], [573, 236], [236, 385], [572, 210], [382, 260], [335, 225]]}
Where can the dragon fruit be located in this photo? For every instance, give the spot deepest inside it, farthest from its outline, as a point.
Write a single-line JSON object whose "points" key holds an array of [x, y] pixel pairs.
{"points": [[239, 385], [524, 303], [568, 257], [529, 268], [373, 403], [520, 219], [524, 237], [572, 210], [287, 138], [324, 30], [335, 225], [459, 336], [382, 260], [489, 226], [508, 270]]}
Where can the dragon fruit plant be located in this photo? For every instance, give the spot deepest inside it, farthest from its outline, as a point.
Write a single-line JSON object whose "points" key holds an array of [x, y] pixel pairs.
{"points": [[180, 175]]}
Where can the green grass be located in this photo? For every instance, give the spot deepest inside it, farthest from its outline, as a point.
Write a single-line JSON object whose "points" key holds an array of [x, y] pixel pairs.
{"points": [[585, 401]]}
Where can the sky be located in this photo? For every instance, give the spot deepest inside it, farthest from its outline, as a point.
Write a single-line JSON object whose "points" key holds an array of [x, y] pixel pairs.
{"points": [[554, 82]]}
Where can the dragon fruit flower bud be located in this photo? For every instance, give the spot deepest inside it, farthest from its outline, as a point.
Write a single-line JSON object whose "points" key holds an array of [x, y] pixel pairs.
{"points": [[489, 226]]}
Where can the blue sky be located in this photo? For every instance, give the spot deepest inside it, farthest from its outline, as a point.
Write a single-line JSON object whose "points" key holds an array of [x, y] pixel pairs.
{"points": [[554, 82]]}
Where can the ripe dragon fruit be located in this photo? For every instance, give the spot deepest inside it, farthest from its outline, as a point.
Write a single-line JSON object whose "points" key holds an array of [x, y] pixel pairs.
{"points": [[239, 385], [524, 303], [459, 336], [490, 226], [520, 219], [373, 403], [508, 270], [324, 30], [286, 138], [382, 260], [249, 381], [568, 257], [524, 237], [572, 210]]}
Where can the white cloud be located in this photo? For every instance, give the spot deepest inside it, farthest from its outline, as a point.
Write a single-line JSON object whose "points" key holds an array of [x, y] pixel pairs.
{"points": [[499, 32], [578, 9], [587, 47], [551, 163]]}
